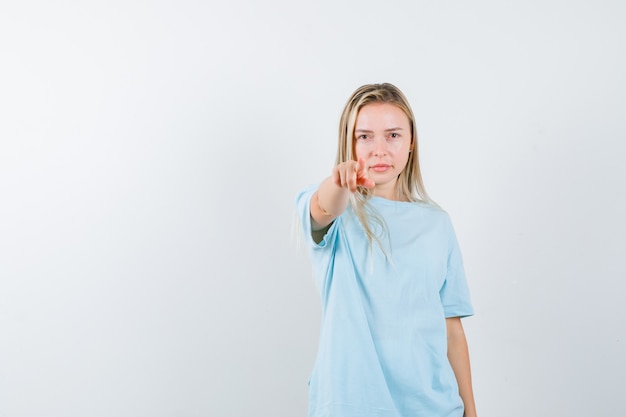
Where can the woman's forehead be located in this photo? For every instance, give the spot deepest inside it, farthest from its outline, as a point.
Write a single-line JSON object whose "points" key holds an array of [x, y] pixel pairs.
{"points": [[381, 115]]}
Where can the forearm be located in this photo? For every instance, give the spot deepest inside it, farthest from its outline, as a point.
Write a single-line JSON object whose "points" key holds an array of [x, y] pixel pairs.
{"points": [[458, 355], [328, 202]]}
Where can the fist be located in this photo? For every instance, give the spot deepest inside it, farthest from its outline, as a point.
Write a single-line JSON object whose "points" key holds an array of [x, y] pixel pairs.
{"points": [[350, 174]]}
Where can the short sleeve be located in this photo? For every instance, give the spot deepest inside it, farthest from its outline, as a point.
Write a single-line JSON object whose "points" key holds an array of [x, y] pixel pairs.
{"points": [[454, 293], [322, 253], [303, 209]]}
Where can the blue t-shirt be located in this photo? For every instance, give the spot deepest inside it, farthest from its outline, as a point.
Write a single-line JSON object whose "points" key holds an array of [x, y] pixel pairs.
{"points": [[383, 343]]}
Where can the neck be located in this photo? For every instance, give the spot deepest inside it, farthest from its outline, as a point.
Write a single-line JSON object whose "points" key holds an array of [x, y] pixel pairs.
{"points": [[388, 191]]}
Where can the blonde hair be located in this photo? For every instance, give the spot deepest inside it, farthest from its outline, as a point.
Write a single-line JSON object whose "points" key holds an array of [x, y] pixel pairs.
{"points": [[409, 186]]}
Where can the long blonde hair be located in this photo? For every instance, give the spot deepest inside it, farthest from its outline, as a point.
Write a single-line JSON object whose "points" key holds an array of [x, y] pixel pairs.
{"points": [[409, 186]]}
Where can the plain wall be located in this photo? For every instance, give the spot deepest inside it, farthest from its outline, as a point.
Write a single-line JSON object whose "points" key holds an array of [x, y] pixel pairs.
{"points": [[150, 153]]}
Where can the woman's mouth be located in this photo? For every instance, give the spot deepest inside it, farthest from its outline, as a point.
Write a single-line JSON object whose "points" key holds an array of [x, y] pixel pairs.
{"points": [[380, 167]]}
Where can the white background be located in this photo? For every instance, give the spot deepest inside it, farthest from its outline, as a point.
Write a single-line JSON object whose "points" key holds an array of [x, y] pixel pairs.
{"points": [[150, 153]]}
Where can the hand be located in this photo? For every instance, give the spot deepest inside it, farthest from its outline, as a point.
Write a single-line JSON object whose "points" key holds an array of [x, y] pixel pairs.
{"points": [[349, 174]]}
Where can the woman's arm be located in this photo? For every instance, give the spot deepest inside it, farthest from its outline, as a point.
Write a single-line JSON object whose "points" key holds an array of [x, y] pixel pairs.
{"points": [[331, 198], [458, 355], [327, 203]]}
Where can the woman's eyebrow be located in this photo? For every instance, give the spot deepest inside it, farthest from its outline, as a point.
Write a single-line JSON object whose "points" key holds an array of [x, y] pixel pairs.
{"points": [[391, 129]]}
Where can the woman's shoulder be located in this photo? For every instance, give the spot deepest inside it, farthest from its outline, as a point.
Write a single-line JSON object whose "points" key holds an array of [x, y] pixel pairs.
{"points": [[411, 206], [305, 193]]}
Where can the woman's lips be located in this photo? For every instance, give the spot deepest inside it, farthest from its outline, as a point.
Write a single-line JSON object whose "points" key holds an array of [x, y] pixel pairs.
{"points": [[380, 167]]}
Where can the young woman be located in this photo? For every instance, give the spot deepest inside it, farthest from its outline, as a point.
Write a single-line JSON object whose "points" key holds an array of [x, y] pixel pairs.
{"points": [[390, 275]]}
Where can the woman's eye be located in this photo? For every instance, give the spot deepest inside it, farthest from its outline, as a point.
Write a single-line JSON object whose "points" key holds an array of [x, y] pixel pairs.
{"points": [[362, 137], [394, 135]]}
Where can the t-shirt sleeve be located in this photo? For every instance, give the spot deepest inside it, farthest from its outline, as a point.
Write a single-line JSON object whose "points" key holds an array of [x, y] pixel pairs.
{"points": [[454, 293], [303, 210]]}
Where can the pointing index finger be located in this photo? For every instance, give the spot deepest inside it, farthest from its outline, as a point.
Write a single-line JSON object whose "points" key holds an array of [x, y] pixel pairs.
{"points": [[361, 165], [362, 174]]}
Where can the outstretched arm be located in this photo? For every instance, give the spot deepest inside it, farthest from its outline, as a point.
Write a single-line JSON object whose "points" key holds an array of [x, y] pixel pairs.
{"points": [[331, 198], [458, 355]]}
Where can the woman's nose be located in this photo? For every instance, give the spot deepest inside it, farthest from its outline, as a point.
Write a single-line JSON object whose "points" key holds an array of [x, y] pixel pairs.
{"points": [[380, 147]]}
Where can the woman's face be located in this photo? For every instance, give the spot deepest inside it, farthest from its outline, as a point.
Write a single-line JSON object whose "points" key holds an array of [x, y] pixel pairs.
{"points": [[382, 135]]}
